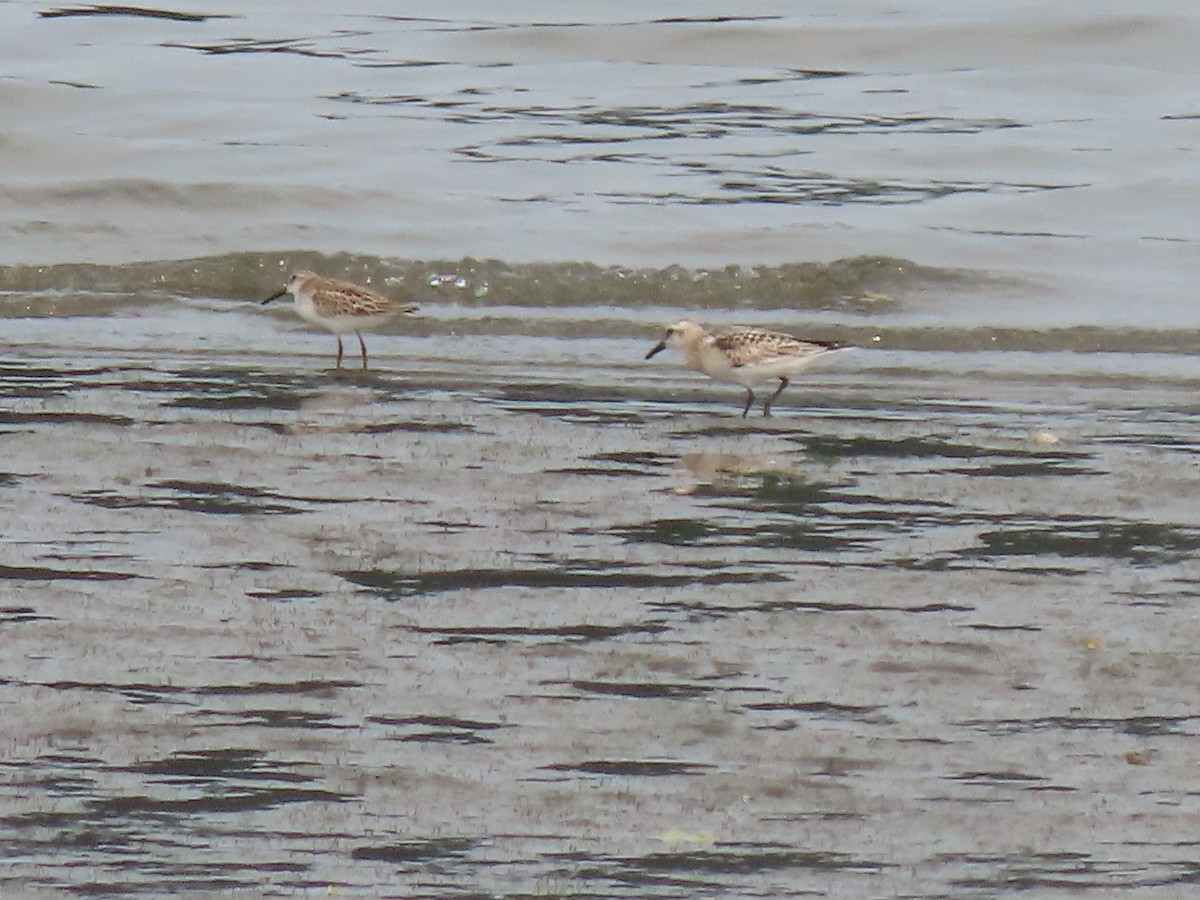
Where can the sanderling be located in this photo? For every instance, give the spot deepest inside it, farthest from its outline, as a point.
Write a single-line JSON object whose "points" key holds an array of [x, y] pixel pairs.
{"points": [[340, 306], [745, 356]]}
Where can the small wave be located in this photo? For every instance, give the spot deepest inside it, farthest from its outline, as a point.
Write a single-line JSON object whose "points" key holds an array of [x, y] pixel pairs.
{"points": [[140, 12], [858, 284]]}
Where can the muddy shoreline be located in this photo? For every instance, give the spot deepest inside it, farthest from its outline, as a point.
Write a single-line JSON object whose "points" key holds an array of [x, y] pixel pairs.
{"points": [[429, 632]]}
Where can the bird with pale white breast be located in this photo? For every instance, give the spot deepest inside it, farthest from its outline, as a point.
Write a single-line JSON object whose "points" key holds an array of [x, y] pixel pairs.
{"points": [[340, 306], [745, 356]]}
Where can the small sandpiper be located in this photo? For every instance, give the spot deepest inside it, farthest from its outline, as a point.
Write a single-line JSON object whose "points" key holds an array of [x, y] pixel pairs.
{"points": [[340, 306], [745, 356]]}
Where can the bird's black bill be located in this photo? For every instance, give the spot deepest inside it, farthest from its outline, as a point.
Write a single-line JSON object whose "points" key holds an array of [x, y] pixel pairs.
{"points": [[282, 293], [658, 348]]}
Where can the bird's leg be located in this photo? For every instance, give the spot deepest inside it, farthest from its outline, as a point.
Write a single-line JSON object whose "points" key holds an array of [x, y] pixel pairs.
{"points": [[749, 402], [339, 357], [364, 349], [783, 382]]}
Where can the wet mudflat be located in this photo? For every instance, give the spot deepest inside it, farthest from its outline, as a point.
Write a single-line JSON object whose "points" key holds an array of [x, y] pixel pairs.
{"points": [[530, 627]]}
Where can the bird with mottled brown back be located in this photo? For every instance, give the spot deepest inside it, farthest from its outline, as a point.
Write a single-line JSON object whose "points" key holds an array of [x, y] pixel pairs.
{"points": [[340, 306], [745, 356]]}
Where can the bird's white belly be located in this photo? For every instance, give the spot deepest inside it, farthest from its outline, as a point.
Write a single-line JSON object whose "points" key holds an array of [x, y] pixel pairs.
{"points": [[337, 324], [717, 367]]}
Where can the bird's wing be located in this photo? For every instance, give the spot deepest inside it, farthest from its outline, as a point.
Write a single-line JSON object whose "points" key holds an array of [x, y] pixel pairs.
{"points": [[751, 346], [351, 300]]}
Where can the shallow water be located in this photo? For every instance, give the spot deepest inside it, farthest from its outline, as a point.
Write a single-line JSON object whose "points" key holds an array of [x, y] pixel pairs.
{"points": [[518, 613], [1054, 145]]}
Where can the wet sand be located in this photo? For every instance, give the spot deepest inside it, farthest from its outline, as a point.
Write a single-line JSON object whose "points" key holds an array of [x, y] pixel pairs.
{"points": [[505, 629]]}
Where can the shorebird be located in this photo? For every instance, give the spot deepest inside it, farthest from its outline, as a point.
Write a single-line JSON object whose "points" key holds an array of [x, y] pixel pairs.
{"points": [[745, 356], [340, 306]]}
